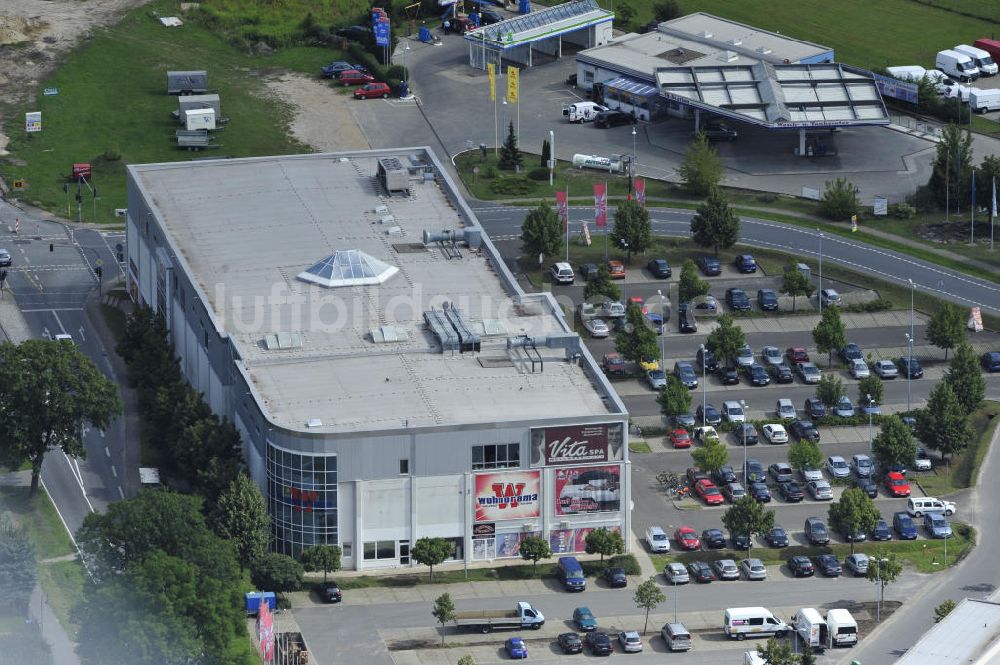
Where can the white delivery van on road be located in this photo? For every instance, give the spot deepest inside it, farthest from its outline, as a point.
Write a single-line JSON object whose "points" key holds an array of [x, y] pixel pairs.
{"points": [[957, 65], [743, 622], [984, 62], [582, 111]]}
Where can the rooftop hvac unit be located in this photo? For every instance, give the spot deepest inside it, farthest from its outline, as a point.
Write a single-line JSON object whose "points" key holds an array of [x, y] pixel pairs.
{"points": [[382, 210], [736, 42], [763, 50], [729, 56], [470, 235], [387, 219], [314, 422], [392, 175]]}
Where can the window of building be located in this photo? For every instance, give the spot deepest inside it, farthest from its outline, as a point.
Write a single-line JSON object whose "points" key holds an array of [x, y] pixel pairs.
{"points": [[404, 467], [588, 77], [496, 456], [380, 549]]}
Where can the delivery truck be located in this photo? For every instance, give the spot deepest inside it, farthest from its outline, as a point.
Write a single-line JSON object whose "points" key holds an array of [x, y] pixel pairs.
{"points": [[841, 628], [522, 616], [811, 628]]}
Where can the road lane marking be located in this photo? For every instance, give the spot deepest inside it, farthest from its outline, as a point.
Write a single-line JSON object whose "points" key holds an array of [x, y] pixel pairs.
{"points": [[114, 471], [107, 452], [54, 310], [120, 492]]}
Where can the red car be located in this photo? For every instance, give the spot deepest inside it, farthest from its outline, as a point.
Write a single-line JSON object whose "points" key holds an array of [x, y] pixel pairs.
{"points": [[638, 302], [687, 538], [680, 438], [373, 90], [354, 77], [617, 269], [796, 354], [896, 484], [707, 490]]}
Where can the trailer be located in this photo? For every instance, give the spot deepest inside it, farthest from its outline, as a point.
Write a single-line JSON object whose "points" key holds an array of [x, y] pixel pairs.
{"points": [[194, 139], [187, 82], [197, 102], [522, 616]]}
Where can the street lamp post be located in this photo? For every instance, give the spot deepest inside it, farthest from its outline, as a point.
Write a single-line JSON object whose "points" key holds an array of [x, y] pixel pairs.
{"points": [[743, 426], [871, 442], [820, 295], [552, 158], [406, 73], [911, 306], [909, 370], [631, 164], [704, 383], [663, 332]]}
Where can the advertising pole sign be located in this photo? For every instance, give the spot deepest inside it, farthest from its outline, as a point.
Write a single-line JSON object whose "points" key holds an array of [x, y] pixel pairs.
{"points": [[508, 495]]}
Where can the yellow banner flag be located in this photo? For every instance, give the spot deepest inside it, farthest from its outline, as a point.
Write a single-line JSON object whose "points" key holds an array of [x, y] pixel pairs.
{"points": [[493, 81], [512, 73]]}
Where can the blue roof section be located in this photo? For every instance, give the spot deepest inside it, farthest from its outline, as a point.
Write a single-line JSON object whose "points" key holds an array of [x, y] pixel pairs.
{"points": [[542, 24], [632, 86]]}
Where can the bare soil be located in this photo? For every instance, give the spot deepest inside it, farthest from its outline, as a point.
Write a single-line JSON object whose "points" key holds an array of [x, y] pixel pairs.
{"points": [[324, 116]]}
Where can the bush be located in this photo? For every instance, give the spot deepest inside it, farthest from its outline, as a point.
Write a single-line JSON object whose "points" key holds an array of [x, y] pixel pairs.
{"points": [[514, 185], [396, 72], [626, 561], [839, 200], [879, 305], [540, 175], [903, 211]]}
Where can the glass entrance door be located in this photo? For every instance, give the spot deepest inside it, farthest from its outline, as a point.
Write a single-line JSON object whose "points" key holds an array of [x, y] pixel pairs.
{"points": [[404, 552]]}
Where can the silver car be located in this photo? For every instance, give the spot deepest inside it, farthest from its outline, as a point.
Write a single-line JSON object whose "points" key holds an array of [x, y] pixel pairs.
{"points": [[808, 372], [772, 355], [857, 563], [753, 569], [820, 490], [5, 259], [676, 573], [657, 379], [859, 369], [837, 466], [613, 309], [844, 407], [744, 358], [726, 569], [862, 465], [597, 327], [886, 369], [810, 473]]}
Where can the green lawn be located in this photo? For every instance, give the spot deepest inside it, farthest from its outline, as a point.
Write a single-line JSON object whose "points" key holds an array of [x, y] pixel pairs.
{"points": [[963, 471]]}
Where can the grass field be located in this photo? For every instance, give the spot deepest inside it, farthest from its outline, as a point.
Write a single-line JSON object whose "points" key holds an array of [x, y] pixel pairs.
{"points": [[278, 23], [963, 471]]}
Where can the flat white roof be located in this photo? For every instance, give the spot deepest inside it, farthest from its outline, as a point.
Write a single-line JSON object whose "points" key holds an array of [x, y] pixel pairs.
{"points": [[721, 34], [969, 635], [243, 229]]}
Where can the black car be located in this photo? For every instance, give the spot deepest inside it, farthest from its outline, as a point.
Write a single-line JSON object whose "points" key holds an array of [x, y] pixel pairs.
{"points": [[755, 472], [707, 414], [781, 373], [589, 271], [745, 263], [706, 361], [686, 322], [729, 374], [659, 268], [757, 375], [599, 643], [570, 643], [357, 33], [777, 537], [738, 300], [724, 475], [814, 407], [801, 566], [615, 577], [746, 433], [718, 131], [816, 532], [851, 352], [804, 429], [791, 491], [330, 592], [701, 572], [613, 118], [990, 361], [741, 541], [909, 367], [760, 492], [709, 265], [713, 539], [828, 565], [334, 68], [881, 531], [767, 300], [486, 17], [866, 485]]}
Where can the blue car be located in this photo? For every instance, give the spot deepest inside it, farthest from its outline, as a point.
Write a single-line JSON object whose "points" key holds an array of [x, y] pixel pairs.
{"points": [[904, 526], [516, 648], [584, 619]]}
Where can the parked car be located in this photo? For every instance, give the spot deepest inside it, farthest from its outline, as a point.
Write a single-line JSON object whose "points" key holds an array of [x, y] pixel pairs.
{"points": [[584, 619], [828, 565], [705, 360], [589, 271], [685, 372], [5, 258], [705, 432], [612, 309], [808, 372], [615, 577], [767, 300], [862, 465], [718, 131], [814, 407], [686, 322], [724, 475], [744, 357], [857, 564], [853, 535], [687, 538], [562, 273], [709, 265], [630, 641], [659, 268], [885, 369], [837, 466], [816, 532], [785, 409], [796, 355], [487, 17], [990, 361], [896, 484], [516, 648], [334, 68], [598, 328], [851, 351], [676, 573], [656, 321], [680, 438], [754, 471], [570, 643], [732, 411], [354, 77], [781, 472], [738, 300], [701, 572], [729, 374], [866, 485], [801, 566], [757, 375], [372, 91], [612, 118], [775, 433], [910, 367], [707, 303], [599, 643], [858, 369], [937, 526], [694, 474], [646, 363], [881, 531], [829, 297], [725, 569], [708, 492], [790, 491], [330, 592], [820, 490], [746, 434], [707, 413], [733, 491], [613, 363], [713, 539], [617, 269], [804, 429], [684, 419], [811, 473], [676, 637], [903, 525], [776, 537], [922, 461], [657, 378], [844, 407], [745, 263], [772, 355], [760, 492]]}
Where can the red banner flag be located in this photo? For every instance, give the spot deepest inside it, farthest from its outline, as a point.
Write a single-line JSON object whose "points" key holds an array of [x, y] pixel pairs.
{"points": [[600, 204], [640, 191], [562, 209]]}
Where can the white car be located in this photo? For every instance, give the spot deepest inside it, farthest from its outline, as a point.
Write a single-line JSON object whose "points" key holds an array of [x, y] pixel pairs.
{"points": [[785, 409], [676, 573], [775, 433], [612, 309], [886, 369], [829, 297], [597, 327], [753, 569], [837, 466], [922, 461], [809, 474], [772, 355], [630, 641], [656, 378], [705, 433], [657, 540], [820, 490], [63, 338], [859, 369], [745, 356], [733, 412]]}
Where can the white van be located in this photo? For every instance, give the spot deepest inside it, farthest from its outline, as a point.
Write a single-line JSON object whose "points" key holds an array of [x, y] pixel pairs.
{"points": [[582, 111], [811, 628], [957, 65], [657, 540], [984, 62], [919, 505], [743, 622], [982, 101], [907, 72], [842, 629]]}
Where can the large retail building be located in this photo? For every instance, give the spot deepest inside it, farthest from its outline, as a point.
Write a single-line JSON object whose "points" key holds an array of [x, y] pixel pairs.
{"points": [[388, 376]]}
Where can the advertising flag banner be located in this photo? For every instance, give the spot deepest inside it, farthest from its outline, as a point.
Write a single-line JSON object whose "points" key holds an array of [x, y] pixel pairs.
{"points": [[854, 223], [588, 489], [976, 320], [586, 234], [640, 191], [512, 73], [493, 81], [265, 632], [600, 204], [562, 209], [509, 495], [33, 121]]}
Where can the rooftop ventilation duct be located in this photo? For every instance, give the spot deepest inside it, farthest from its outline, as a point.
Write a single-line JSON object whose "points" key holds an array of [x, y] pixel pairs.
{"points": [[453, 329], [393, 175]]}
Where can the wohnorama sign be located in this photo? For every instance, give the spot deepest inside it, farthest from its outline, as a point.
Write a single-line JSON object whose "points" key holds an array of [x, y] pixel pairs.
{"points": [[575, 444]]}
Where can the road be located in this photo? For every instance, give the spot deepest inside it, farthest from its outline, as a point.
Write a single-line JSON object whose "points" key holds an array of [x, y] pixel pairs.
{"points": [[505, 222]]}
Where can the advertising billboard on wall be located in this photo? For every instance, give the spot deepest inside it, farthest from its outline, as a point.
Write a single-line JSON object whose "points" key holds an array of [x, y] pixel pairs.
{"points": [[576, 444], [567, 541], [588, 489], [507, 495]]}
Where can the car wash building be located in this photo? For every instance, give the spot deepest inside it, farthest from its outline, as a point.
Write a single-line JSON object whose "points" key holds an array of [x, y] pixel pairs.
{"points": [[388, 377]]}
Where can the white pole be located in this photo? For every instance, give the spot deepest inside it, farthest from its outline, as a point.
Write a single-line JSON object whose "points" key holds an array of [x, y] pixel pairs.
{"points": [[567, 222], [552, 161], [820, 297]]}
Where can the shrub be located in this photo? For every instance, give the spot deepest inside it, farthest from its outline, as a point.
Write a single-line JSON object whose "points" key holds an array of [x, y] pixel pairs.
{"points": [[627, 562], [514, 185], [879, 305], [903, 211], [396, 72], [539, 174]]}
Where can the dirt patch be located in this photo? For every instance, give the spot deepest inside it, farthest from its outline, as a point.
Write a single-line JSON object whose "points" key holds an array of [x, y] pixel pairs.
{"points": [[324, 118], [952, 233], [34, 36]]}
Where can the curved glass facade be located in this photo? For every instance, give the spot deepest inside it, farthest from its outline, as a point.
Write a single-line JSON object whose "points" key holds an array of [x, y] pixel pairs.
{"points": [[302, 500]]}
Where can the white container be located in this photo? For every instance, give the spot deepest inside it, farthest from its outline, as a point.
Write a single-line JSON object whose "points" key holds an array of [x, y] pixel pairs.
{"points": [[984, 62], [611, 164], [199, 119]]}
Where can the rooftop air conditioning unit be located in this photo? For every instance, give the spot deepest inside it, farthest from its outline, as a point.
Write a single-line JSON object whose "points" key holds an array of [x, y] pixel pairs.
{"points": [[736, 42], [763, 50], [314, 422], [706, 34]]}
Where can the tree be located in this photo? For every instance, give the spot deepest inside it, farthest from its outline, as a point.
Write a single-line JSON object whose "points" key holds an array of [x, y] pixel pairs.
{"points": [[946, 328], [951, 171], [894, 444], [638, 340], [690, 284], [944, 425], [241, 518], [870, 386], [777, 653], [675, 398], [534, 548], [321, 557], [715, 225], [467, 659], [665, 10], [633, 231], [726, 340], [510, 156], [796, 284], [839, 200], [49, 393], [431, 552], [711, 456], [830, 334], [605, 542], [748, 517], [546, 153], [943, 610], [647, 597], [807, 658], [626, 12], [444, 611], [701, 170], [602, 286], [274, 571], [883, 569], [855, 512], [18, 571], [541, 232], [965, 379], [805, 454], [830, 389]]}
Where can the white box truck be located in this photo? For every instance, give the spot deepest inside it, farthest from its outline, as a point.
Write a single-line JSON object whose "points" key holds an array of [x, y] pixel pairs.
{"points": [[956, 65], [982, 101], [984, 62], [842, 629], [811, 628]]}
